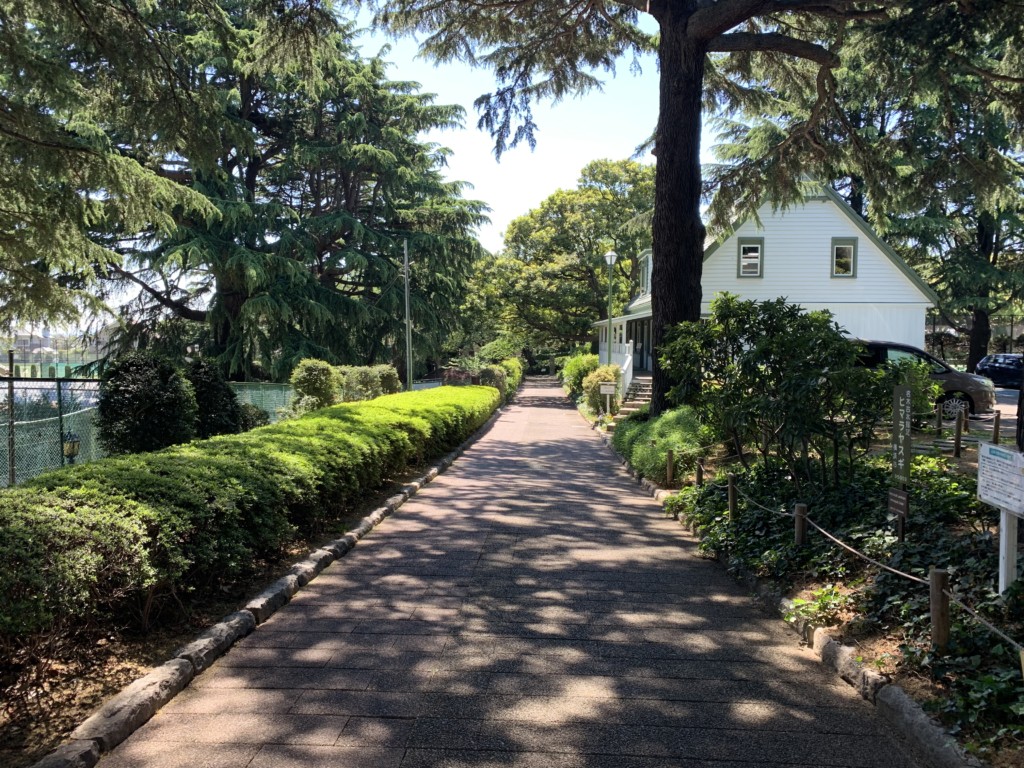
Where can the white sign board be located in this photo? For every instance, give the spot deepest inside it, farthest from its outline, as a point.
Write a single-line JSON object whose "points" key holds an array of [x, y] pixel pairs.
{"points": [[608, 387], [1001, 477]]}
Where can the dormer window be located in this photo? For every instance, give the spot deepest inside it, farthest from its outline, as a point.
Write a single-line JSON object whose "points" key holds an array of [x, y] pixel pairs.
{"points": [[751, 257], [645, 275]]}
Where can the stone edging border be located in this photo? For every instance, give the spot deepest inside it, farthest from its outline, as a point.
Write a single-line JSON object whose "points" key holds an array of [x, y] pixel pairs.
{"points": [[925, 738], [128, 710]]}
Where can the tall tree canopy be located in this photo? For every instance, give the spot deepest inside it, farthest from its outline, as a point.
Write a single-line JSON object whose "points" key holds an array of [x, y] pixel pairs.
{"points": [[257, 177], [550, 283], [543, 50], [90, 93]]}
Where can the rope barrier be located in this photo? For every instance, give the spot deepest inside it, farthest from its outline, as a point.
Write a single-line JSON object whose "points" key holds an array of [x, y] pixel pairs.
{"points": [[848, 548], [980, 620], [749, 500]]}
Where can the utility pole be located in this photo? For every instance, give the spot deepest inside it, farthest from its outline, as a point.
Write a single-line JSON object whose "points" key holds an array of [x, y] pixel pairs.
{"points": [[408, 323]]}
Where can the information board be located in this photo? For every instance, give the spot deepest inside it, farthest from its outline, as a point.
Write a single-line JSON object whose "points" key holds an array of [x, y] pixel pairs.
{"points": [[608, 387], [1001, 477]]}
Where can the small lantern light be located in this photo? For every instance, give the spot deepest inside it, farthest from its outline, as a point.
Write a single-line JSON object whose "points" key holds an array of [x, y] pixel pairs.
{"points": [[72, 446]]}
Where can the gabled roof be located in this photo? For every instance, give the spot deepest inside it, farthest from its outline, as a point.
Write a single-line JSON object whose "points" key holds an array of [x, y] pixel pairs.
{"points": [[829, 194]]}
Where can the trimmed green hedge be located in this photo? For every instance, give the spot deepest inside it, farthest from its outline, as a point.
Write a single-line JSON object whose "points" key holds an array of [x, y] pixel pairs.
{"points": [[646, 442], [76, 541]]}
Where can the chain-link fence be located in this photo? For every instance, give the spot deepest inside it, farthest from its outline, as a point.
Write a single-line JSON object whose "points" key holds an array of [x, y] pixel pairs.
{"points": [[53, 424], [270, 397]]}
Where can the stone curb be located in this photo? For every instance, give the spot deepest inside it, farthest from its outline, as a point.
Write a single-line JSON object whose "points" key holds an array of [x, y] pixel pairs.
{"points": [[925, 738], [125, 712]]}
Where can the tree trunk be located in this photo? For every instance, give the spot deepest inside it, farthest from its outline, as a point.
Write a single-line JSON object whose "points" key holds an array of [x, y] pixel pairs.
{"points": [[981, 327], [678, 232]]}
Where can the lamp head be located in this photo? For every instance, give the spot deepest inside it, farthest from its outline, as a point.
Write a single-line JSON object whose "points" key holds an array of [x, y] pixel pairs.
{"points": [[610, 258]]}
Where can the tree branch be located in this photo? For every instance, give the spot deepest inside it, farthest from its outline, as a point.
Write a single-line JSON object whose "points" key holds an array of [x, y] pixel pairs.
{"points": [[715, 18], [770, 41], [179, 308]]}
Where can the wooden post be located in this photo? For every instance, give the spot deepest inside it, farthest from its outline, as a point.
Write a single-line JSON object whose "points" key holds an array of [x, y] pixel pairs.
{"points": [[938, 421], [732, 496], [958, 434], [700, 472], [967, 421], [938, 581], [800, 524], [995, 428], [670, 467]]}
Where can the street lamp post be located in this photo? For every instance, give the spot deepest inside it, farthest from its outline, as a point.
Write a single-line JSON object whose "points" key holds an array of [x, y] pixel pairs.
{"points": [[610, 259]]}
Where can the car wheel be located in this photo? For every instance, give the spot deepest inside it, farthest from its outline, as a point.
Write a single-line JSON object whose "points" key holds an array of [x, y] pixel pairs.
{"points": [[954, 403]]}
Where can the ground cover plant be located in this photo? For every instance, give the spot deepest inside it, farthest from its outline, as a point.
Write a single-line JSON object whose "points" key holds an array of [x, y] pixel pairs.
{"points": [[130, 540], [645, 443], [798, 422]]}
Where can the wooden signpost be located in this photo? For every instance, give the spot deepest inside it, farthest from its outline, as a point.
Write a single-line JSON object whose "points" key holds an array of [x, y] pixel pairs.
{"points": [[902, 455]]}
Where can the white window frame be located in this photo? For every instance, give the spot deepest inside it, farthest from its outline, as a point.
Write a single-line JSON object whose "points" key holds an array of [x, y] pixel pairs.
{"points": [[741, 262], [844, 242]]}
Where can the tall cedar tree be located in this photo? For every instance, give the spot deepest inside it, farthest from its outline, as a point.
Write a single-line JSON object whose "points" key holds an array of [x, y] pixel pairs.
{"points": [[92, 100], [317, 184], [543, 50]]}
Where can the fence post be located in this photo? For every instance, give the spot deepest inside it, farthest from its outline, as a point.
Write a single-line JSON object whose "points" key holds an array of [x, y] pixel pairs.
{"points": [[700, 472], [670, 467], [60, 423], [967, 421], [958, 433], [938, 421], [10, 418], [995, 427], [938, 581], [800, 524], [732, 496]]}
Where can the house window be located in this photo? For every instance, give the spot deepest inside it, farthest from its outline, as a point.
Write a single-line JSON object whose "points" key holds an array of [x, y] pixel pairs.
{"points": [[844, 257], [751, 257]]}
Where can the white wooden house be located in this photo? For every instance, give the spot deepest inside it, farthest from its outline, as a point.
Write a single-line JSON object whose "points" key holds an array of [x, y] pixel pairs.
{"points": [[818, 254]]}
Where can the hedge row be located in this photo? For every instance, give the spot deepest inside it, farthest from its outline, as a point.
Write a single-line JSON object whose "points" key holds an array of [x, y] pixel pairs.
{"points": [[83, 540]]}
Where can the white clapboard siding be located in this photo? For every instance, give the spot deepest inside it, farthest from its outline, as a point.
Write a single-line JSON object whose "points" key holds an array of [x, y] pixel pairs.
{"points": [[798, 261]]}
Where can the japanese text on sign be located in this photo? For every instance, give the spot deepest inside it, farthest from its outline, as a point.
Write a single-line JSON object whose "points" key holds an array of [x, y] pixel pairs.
{"points": [[1001, 478], [902, 419]]}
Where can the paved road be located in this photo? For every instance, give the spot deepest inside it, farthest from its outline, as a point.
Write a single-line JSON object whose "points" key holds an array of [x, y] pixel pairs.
{"points": [[527, 609]]}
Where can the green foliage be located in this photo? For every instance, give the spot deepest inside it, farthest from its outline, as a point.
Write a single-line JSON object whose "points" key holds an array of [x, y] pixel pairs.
{"points": [[90, 537], [251, 416], [495, 376], [824, 609], [316, 385], [367, 382], [575, 369], [645, 442], [217, 406], [145, 404], [780, 380], [550, 283], [591, 386], [69, 554], [514, 375]]}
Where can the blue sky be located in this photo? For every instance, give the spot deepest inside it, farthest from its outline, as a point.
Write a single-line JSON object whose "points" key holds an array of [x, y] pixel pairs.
{"points": [[599, 125]]}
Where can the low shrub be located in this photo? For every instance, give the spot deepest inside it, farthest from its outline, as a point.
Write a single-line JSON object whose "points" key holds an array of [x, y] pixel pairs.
{"points": [[592, 387], [217, 408], [366, 382], [145, 404], [495, 376], [645, 443], [88, 536], [514, 375], [251, 416], [575, 370], [315, 384]]}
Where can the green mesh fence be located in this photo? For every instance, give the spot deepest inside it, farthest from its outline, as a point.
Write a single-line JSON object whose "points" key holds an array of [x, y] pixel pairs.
{"points": [[44, 420], [52, 420], [270, 397]]}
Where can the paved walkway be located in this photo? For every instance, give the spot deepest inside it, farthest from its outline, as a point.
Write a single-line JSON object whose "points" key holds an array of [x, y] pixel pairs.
{"points": [[527, 609]]}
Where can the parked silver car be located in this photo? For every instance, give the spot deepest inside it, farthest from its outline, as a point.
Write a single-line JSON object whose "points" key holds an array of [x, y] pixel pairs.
{"points": [[960, 390]]}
